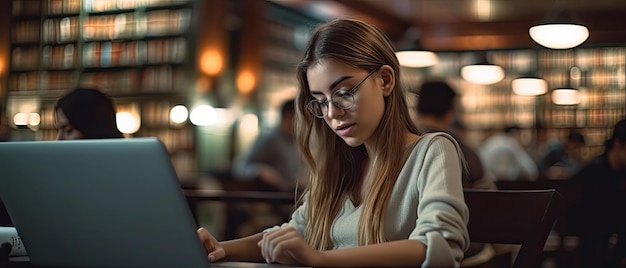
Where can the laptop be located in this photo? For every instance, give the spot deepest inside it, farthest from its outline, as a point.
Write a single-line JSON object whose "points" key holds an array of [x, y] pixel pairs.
{"points": [[100, 203]]}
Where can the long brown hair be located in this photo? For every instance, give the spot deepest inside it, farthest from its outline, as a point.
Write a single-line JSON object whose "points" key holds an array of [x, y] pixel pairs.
{"points": [[335, 170]]}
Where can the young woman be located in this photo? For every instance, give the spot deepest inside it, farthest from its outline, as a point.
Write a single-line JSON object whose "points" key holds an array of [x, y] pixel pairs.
{"points": [[85, 113], [380, 193]]}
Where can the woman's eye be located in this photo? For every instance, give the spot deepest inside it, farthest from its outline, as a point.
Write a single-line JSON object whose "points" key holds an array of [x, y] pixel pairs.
{"points": [[342, 93]]}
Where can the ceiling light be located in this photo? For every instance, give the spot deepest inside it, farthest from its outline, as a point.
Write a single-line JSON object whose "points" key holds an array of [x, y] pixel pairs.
{"points": [[565, 96], [560, 30], [568, 95], [559, 36], [411, 53], [417, 58], [179, 114], [482, 72], [529, 86]]}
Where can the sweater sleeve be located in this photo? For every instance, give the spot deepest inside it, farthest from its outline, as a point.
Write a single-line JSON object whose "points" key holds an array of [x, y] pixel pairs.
{"points": [[442, 213], [298, 219]]}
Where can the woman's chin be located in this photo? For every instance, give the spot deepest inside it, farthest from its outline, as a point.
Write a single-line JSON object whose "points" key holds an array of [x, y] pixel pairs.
{"points": [[352, 141]]}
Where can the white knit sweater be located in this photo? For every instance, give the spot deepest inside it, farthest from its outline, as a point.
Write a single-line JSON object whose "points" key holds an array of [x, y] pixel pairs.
{"points": [[426, 205]]}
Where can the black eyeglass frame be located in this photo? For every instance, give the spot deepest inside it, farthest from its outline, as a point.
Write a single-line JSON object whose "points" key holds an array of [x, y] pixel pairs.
{"points": [[339, 94]]}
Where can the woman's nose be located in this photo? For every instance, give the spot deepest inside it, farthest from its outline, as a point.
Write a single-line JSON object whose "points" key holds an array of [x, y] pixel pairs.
{"points": [[334, 111]]}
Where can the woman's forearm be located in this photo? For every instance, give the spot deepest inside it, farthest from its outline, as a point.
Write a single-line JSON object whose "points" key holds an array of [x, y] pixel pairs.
{"points": [[243, 249], [402, 253]]}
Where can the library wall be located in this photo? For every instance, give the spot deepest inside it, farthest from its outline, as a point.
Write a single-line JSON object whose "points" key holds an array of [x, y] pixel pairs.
{"points": [[137, 51], [599, 75], [150, 55]]}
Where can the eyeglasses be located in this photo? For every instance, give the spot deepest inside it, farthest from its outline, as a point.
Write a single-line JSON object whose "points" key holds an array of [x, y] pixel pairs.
{"points": [[342, 99]]}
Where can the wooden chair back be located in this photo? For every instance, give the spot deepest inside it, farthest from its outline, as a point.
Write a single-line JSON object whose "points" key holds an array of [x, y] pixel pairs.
{"points": [[523, 217]]}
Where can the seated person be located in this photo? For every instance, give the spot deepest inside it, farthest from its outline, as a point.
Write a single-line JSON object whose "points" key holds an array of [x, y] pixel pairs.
{"points": [[505, 157], [562, 159], [602, 214], [80, 114], [436, 112], [381, 193], [273, 162], [85, 113]]}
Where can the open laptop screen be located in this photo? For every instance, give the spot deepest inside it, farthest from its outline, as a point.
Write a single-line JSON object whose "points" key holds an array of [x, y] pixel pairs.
{"points": [[98, 203]]}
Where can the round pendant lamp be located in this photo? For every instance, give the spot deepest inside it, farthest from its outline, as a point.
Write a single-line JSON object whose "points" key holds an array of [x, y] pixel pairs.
{"points": [[560, 30], [412, 54], [565, 96], [482, 72], [529, 85], [568, 95], [417, 58]]}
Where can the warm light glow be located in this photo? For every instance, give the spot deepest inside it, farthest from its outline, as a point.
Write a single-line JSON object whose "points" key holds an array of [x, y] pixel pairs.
{"points": [[565, 96], [34, 119], [484, 74], [179, 114], [559, 36], [211, 62], [483, 9], [203, 115], [225, 117], [127, 123], [528, 86], [245, 82], [417, 59], [249, 125], [20, 119]]}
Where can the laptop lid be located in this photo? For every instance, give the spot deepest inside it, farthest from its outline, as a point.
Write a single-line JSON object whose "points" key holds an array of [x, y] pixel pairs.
{"points": [[98, 203]]}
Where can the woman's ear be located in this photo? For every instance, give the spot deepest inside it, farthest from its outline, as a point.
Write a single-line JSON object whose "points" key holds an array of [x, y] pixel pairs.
{"points": [[388, 76]]}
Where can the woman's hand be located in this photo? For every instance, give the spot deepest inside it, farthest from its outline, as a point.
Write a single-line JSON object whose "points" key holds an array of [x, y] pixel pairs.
{"points": [[212, 246], [286, 246]]}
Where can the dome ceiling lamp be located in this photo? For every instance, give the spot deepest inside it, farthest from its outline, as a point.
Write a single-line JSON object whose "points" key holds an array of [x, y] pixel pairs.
{"points": [[411, 53], [529, 85], [482, 72], [560, 30], [568, 95]]}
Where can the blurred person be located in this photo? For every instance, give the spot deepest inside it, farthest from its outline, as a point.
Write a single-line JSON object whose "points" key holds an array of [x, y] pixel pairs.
{"points": [[272, 164], [5, 128], [85, 113], [274, 160], [562, 159], [505, 157], [436, 113], [380, 192], [81, 114], [5, 135], [603, 184]]}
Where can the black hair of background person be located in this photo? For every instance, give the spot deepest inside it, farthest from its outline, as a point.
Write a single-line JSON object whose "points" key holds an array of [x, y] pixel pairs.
{"points": [[91, 112], [437, 99]]}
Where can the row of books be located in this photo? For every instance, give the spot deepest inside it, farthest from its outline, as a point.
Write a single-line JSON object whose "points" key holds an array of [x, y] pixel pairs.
{"points": [[101, 54]]}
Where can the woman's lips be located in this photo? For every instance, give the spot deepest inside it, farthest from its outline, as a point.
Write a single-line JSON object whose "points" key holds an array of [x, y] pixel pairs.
{"points": [[344, 130]]}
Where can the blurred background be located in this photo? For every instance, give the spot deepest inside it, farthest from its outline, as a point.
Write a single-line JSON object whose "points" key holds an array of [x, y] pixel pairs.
{"points": [[208, 77]]}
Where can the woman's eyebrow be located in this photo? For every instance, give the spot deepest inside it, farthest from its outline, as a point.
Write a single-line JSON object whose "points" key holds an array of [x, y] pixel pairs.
{"points": [[333, 84]]}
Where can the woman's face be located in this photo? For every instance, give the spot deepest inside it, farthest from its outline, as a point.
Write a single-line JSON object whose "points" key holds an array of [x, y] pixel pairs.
{"points": [[357, 124], [64, 128]]}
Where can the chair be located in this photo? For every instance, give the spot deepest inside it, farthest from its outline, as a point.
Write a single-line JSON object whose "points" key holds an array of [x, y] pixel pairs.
{"points": [[523, 217], [565, 248]]}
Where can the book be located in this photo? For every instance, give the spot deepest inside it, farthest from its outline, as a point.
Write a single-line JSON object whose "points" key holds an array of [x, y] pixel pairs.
{"points": [[9, 235]]}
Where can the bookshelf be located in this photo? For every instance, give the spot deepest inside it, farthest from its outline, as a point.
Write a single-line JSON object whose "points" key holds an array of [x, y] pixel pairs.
{"points": [[140, 52], [601, 81]]}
